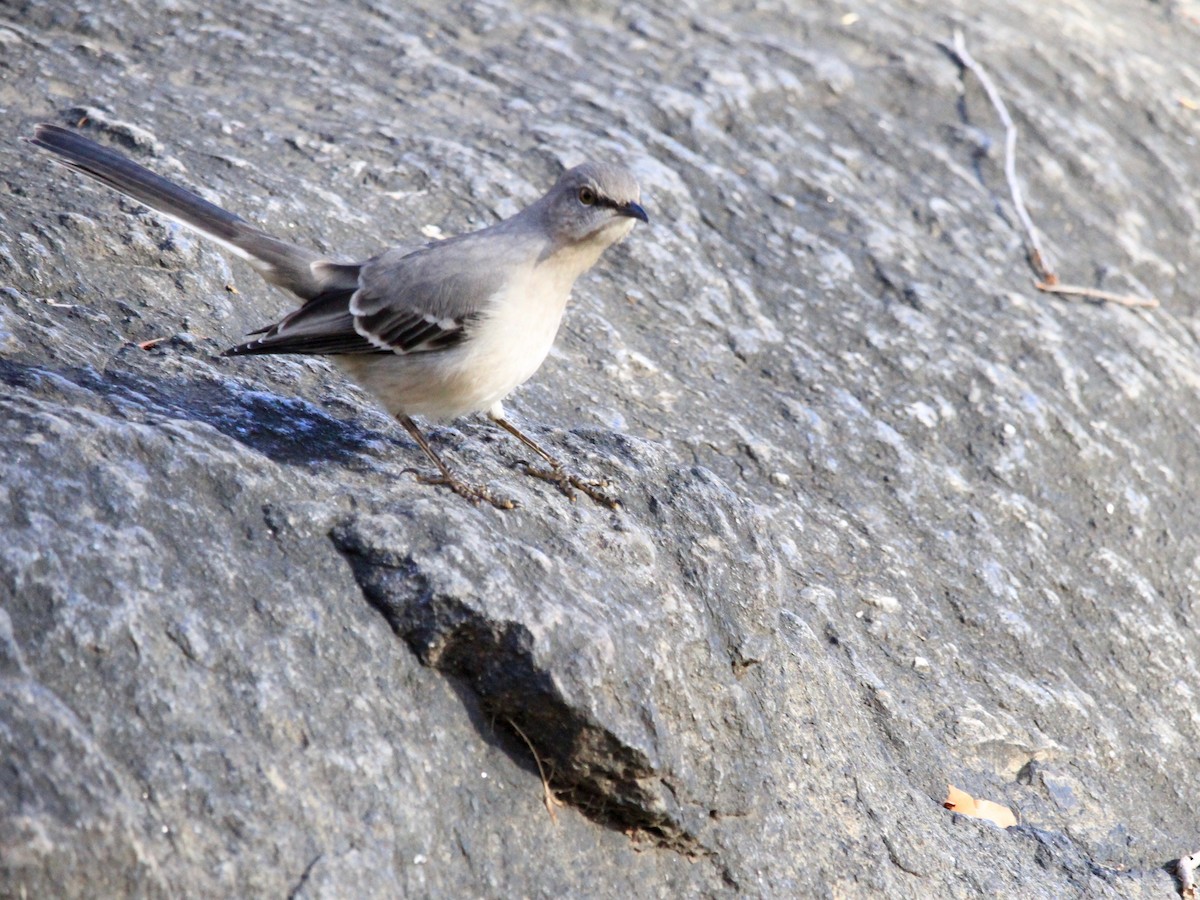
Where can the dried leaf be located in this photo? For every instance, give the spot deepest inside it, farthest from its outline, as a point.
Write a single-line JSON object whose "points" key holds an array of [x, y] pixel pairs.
{"points": [[963, 803]]}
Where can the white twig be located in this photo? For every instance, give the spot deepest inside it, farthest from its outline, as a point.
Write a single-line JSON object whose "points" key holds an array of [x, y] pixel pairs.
{"points": [[1037, 256], [1047, 280], [1077, 290]]}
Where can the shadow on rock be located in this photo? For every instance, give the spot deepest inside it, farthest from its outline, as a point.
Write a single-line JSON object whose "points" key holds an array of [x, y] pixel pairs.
{"points": [[287, 430]]}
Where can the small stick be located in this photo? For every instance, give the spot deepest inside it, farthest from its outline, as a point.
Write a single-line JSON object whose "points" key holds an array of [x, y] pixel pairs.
{"points": [[1074, 290], [1047, 280], [548, 796], [1038, 257]]}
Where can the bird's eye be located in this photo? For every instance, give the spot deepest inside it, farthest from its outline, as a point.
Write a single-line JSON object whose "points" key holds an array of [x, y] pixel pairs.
{"points": [[587, 196]]}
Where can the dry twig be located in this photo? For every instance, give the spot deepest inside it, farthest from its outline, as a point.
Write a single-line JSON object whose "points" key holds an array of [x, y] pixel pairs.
{"points": [[1037, 256], [1046, 280], [548, 795], [1074, 290]]}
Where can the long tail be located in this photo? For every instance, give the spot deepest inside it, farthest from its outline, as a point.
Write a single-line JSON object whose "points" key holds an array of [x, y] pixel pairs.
{"points": [[280, 262]]}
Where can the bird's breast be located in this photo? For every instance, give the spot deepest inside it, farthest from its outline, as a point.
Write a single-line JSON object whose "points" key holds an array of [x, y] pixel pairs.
{"points": [[515, 331]]}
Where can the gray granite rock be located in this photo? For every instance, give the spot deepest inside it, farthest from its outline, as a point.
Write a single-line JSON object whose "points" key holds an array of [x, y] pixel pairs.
{"points": [[892, 520]]}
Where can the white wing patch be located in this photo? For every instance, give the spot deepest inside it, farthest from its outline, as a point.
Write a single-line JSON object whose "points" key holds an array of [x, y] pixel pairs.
{"points": [[404, 330]]}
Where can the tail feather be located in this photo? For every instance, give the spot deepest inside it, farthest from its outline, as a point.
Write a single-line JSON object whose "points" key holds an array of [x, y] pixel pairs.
{"points": [[123, 174], [278, 261]]}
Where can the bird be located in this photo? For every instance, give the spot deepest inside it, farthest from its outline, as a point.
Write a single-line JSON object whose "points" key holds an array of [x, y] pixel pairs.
{"points": [[442, 331]]}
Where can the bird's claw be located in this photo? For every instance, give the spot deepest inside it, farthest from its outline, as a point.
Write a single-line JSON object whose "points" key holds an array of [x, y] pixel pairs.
{"points": [[567, 482], [476, 493]]}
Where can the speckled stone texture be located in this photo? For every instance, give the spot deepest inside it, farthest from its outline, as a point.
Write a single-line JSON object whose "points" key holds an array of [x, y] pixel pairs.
{"points": [[892, 518]]}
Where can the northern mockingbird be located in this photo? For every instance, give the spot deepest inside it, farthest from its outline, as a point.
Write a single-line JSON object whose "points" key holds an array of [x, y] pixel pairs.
{"points": [[440, 331]]}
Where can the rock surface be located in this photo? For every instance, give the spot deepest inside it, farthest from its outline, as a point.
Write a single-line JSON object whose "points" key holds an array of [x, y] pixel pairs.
{"points": [[892, 519]]}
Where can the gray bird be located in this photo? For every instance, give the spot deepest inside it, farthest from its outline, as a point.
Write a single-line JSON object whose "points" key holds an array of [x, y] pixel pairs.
{"points": [[446, 330]]}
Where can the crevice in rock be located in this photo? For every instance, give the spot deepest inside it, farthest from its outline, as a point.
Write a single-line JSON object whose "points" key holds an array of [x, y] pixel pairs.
{"points": [[586, 765], [304, 876]]}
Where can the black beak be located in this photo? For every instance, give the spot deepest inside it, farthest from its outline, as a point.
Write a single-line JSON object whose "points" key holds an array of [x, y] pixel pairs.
{"points": [[634, 211]]}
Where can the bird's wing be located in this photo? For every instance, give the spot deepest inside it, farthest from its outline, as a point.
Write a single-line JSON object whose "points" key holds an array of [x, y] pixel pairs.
{"points": [[397, 302]]}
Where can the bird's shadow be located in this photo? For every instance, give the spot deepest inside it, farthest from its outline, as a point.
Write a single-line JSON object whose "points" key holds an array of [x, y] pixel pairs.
{"points": [[287, 430]]}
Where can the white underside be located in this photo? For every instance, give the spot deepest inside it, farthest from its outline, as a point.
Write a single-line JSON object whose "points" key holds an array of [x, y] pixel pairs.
{"points": [[504, 350]]}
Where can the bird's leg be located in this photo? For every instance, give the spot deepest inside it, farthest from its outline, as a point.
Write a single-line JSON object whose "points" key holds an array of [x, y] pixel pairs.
{"points": [[558, 474], [473, 492]]}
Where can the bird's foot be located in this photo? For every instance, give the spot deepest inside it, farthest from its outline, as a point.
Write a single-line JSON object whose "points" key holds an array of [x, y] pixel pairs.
{"points": [[568, 482], [476, 493]]}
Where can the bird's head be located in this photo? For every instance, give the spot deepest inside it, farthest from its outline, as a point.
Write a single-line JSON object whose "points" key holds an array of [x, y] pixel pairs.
{"points": [[594, 203]]}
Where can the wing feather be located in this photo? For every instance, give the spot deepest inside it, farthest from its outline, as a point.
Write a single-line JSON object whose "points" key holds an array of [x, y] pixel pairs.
{"points": [[401, 301]]}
